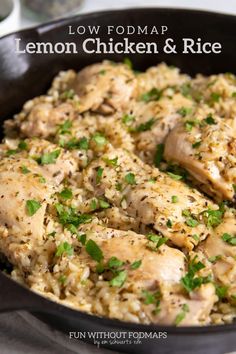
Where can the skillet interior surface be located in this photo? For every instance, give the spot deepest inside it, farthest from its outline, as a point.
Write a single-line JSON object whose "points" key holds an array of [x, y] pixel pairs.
{"points": [[24, 76]]}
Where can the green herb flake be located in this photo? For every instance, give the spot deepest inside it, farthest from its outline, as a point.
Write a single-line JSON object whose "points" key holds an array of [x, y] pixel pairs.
{"points": [[111, 162], [234, 94], [221, 291], [93, 204], [11, 152], [169, 223], [180, 317], [66, 194], [99, 139], [99, 174], [127, 119], [130, 178], [174, 199], [174, 176], [32, 206], [65, 127], [68, 216], [155, 241], [189, 124], [215, 97], [114, 263], [82, 238], [212, 218], [103, 204], [68, 94], [22, 145], [136, 264], [62, 279], [214, 259], [191, 222], [25, 170], [152, 95], [231, 240], [210, 120], [119, 279], [128, 62], [94, 250], [159, 154], [49, 158], [190, 281], [184, 111], [143, 127], [66, 248], [196, 144]]}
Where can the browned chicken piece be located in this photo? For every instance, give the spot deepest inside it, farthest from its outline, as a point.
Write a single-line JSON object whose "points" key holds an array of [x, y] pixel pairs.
{"points": [[159, 270], [207, 149], [42, 121], [152, 121], [220, 249], [25, 191], [152, 197], [105, 87]]}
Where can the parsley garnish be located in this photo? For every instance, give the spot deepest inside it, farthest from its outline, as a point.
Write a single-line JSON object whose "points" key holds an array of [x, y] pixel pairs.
{"points": [[155, 241], [24, 170], [189, 281], [174, 176], [174, 199], [111, 162], [64, 247], [213, 218], [209, 120], [49, 157], [22, 145], [99, 174], [66, 194], [136, 264], [143, 127], [196, 144], [184, 111], [130, 178], [215, 97], [119, 279], [65, 127], [114, 263], [68, 216], [221, 291], [127, 119], [32, 206], [229, 239], [94, 250], [152, 95], [68, 94], [99, 139], [128, 62], [81, 144], [159, 154], [179, 318]]}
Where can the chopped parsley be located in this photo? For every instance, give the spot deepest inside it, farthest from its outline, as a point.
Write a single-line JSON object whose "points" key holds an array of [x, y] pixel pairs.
{"points": [[184, 111], [190, 281], [179, 318], [214, 259], [169, 223], [231, 240], [127, 119], [136, 264], [22, 145], [99, 174], [128, 62], [11, 152], [94, 251], [65, 127], [68, 94], [221, 291], [155, 241], [111, 162], [234, 94], [68, 216], [62, 279], [191, 222], [210, 120], [174, 199], [174, 176], [119, 279], [213, 218], [114, 263], [130, 178], [64, 247], [99, 139], [80, 144], [159, 154], [189, 124], [196, 144], [215, 97], [32, 206], [143, 127], [152, 95], [66, 194], [24, 170], [49, 158]]}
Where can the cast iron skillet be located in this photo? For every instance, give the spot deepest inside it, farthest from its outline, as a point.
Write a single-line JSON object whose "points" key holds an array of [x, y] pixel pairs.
{"points": [[25, 76]]}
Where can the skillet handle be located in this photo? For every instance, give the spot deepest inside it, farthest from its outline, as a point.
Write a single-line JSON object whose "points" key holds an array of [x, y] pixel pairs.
{"points": [[13, 297]]}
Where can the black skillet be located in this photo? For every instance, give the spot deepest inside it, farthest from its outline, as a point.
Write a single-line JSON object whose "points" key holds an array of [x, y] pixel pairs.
{"points": [[25, 76]]}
